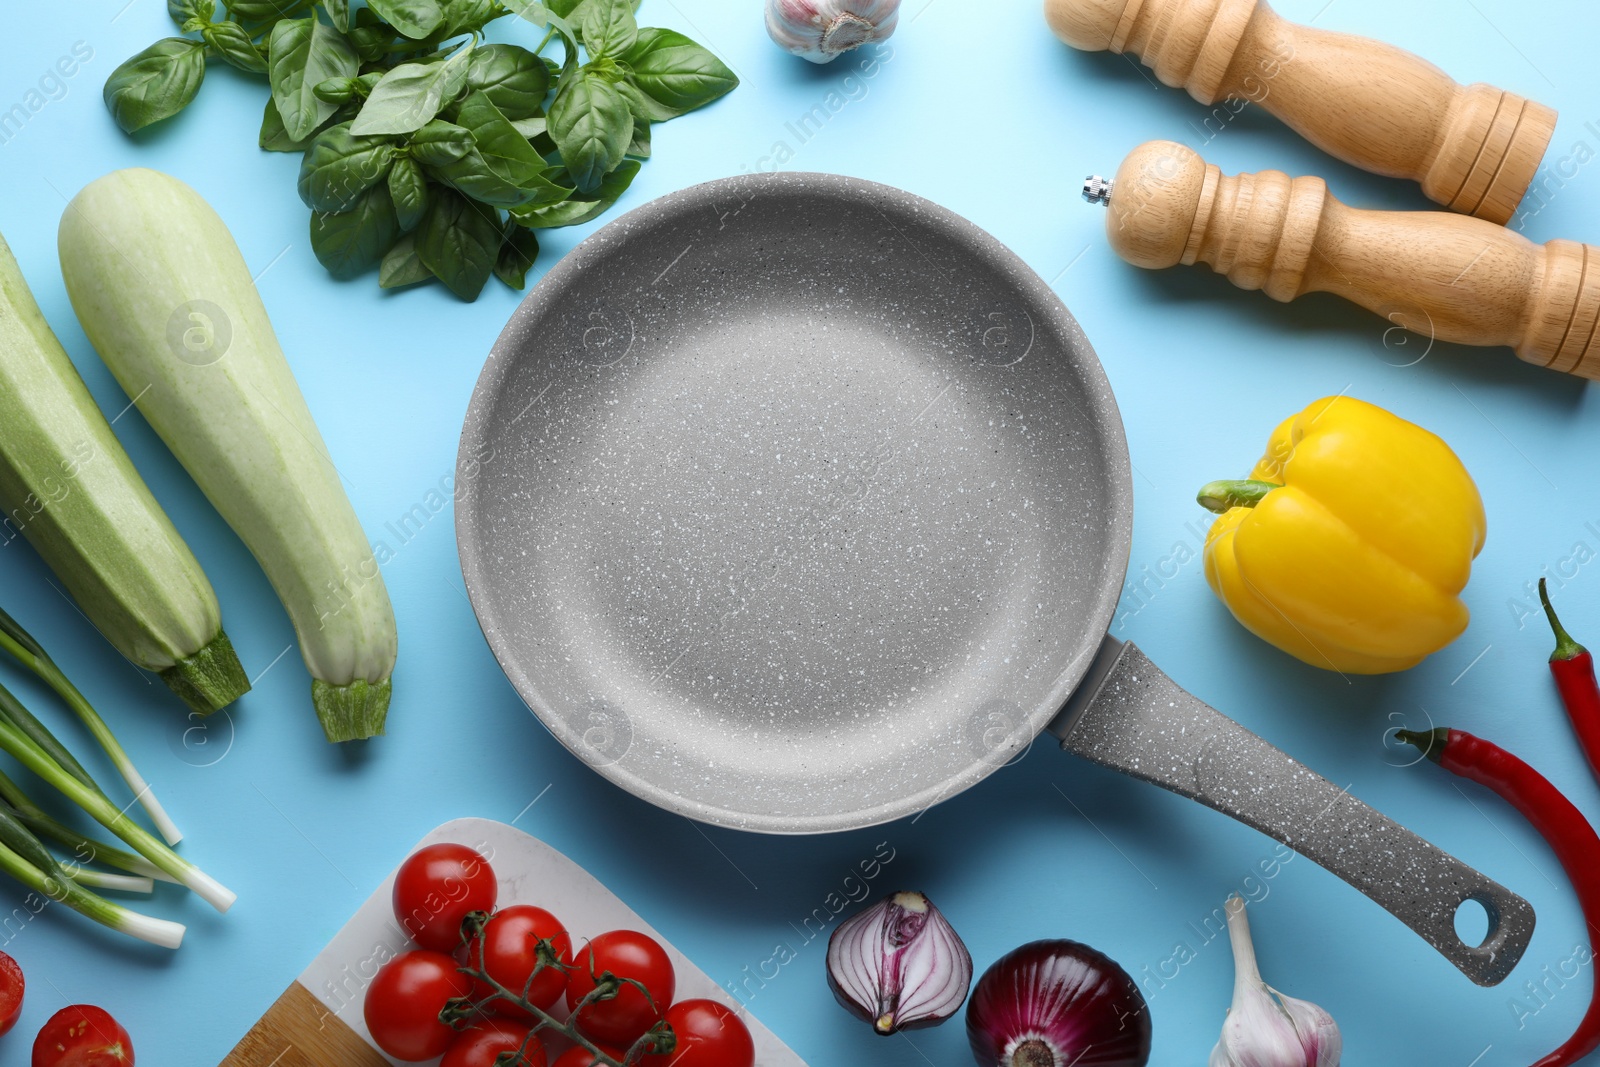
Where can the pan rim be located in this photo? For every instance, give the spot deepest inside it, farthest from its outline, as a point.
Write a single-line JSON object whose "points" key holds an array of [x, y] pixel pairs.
{"points": [[1099, 402]]}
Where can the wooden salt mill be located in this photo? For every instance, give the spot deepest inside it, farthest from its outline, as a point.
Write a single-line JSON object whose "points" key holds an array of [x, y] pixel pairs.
{"points": [[1475, 149], [1439, 275]]}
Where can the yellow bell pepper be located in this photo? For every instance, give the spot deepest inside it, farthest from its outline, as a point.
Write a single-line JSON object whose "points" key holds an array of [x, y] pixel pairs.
{"points": [[1350, 543]]}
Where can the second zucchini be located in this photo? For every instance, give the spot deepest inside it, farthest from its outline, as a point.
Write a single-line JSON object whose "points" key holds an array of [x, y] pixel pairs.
{"points": [[67, 485], [165, 296]]}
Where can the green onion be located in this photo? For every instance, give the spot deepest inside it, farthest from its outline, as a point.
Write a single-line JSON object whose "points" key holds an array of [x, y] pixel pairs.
{"points": [[85, 849], [20, 839], [27, 651], [64, 890], [91, 800], [121, 883]]}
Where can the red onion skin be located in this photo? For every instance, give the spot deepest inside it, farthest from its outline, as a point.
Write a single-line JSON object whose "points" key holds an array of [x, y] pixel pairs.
{"points": [[1086, 1005]]}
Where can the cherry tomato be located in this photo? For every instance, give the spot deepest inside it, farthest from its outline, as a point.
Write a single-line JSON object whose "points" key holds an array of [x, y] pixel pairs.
{"points": [[436, 887], [404, 1000], [622, 1018], [11, 987], [82, 1036], [579, 1057], [508, 950], [709, 1035], [486, 1041]]}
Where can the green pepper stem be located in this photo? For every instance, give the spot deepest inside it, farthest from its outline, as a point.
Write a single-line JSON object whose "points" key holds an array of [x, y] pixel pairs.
{"points": [[1566, 647], [1225, 495], [1431, 742]]}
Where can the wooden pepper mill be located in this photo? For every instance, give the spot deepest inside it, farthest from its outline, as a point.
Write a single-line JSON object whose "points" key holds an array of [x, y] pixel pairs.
{"points": [[1439, 275], [1475, 149]]}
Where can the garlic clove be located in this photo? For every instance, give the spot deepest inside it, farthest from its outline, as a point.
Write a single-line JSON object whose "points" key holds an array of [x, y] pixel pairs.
{"points": [[822, 30], [1264, 1028], [1319, 1034]]}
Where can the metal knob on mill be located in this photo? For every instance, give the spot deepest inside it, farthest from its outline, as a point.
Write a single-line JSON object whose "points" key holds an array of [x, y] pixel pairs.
{"points": [[1444, 276], [1475, 149]]}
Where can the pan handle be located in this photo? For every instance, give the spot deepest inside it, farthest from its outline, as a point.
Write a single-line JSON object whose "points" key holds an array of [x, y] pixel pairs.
{"points": [[1132, 718]]}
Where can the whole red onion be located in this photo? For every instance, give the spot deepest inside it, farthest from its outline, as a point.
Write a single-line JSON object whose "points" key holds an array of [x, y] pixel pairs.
{"points": [[1058, 1004]]}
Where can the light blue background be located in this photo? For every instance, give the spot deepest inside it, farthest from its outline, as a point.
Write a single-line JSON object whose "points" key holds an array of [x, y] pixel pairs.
{"points": [[981, 110]]}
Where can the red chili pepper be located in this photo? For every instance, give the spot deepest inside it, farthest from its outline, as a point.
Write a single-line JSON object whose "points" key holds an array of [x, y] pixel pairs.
{"points": [[1569, 834], [1573, 669]]}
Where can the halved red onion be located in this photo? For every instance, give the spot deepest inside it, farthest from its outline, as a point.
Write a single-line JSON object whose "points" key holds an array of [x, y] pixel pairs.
{"points": [[1058, 1004], [899, 964]]}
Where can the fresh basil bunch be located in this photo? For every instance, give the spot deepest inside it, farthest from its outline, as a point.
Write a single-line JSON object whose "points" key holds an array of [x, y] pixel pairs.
{"points": [[428, 153]]}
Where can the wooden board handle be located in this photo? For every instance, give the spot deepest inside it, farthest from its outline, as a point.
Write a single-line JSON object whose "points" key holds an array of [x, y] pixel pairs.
{"points": [[1475, 149], [299, 1031], [1446, 277]]}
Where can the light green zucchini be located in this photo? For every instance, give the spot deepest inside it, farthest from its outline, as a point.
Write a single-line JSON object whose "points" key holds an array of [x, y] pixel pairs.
{"points": [[164, 294], [67, 486]]}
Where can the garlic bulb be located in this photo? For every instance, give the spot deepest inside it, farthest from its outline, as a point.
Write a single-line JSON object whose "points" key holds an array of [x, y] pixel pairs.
{"points": [[1264, 1028], [820, 30]]}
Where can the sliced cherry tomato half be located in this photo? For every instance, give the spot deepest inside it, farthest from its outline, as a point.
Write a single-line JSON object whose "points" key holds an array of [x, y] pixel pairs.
{"points": [[404, 1000], [709, 1035], [486, 1042], [82, 1035], [436, 888], [620, 1020], [11, 989], [508, 951]]}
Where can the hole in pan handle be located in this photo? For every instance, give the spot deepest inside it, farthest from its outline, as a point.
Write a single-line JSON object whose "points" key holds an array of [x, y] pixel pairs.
{"points": [[1132, 718]]}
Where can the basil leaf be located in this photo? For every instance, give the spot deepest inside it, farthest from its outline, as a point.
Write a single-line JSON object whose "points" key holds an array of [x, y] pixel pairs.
{"points": [[264, 10], [301, 54], [639, 147], [518, 249], [467, 16], [182, 11], [354, 241], [414, 18], [504, 151], [609, 27], [572, 212], [156, 84], [338, 13], [408, 188], [273, 137], [674, 75], [371, 42], [337, 90], [543, 17], [440, 143], [531, 128], [402, 265], [232, 42], [410, 95], [471, 176], [592, 125], [514, 79], [573, 10], [459, 242], [340, 167]]}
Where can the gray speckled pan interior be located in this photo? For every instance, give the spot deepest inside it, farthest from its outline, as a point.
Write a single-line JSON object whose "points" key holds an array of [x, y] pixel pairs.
{"points": [[793, 502]]}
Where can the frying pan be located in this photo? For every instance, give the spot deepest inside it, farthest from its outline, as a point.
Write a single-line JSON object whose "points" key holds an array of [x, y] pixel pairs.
{"points": [[796, 503]]}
